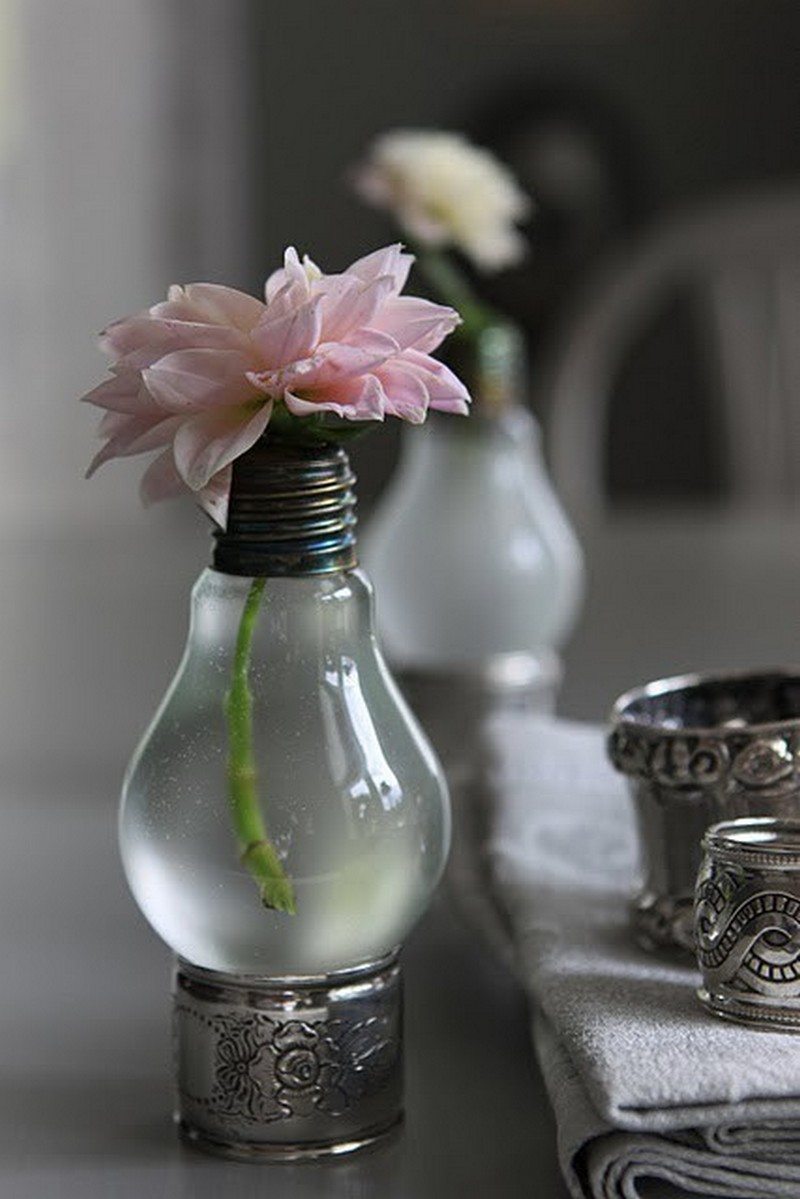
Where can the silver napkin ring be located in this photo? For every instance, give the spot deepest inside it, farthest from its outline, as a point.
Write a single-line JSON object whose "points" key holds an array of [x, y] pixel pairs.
{"points": [[697, 750], [747, 921]]}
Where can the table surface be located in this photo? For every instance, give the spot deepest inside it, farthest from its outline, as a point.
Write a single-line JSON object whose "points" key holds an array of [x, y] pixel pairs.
{"points": [[85, 1083], [85, 1095]]}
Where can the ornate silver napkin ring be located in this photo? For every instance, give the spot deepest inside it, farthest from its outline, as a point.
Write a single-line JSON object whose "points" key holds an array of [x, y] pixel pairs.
{"points": [[696, 750], [288, 1069], [747, 922]]}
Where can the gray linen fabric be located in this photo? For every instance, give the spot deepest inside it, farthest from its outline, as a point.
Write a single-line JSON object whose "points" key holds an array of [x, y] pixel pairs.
{"points": [[644, 1083]]}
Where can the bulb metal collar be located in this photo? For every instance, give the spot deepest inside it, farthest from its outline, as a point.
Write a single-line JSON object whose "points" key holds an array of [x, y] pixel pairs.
{"points": [[291, 512], [288, 1069]]}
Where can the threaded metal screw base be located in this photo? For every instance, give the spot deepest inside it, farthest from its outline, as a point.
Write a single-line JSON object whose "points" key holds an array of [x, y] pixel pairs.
{"points": [[287, 1069], [291, 512]]}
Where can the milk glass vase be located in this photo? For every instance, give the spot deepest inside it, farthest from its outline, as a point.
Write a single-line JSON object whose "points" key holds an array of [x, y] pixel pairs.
{"points": [[479, 579], [497, 572], [285, 856]]}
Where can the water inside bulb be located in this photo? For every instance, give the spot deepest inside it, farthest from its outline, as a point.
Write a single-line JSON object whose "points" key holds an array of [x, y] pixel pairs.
{"points": [[351, 795]]}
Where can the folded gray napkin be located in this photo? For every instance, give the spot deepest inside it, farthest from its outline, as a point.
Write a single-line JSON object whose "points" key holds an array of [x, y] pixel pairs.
{"points": [[644, 1083]]}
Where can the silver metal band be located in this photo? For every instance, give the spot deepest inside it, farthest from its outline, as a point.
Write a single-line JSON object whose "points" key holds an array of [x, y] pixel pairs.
{"points": [[287, 1068], [747, 922], [696, 749]]}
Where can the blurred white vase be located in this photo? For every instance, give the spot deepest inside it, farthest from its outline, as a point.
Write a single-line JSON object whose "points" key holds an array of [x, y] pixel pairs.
{"points": [[478, 578]]}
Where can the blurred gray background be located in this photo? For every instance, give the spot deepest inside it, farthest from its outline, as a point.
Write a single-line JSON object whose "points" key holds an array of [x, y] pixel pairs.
{"points": [[144, 142], [149, 141]]}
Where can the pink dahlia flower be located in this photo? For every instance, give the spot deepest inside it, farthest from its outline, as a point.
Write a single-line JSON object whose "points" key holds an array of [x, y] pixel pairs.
{"points": [[200, 375]]}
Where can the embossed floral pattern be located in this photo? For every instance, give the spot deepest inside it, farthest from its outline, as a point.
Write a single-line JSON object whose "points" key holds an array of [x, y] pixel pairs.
{"points": [[628, 754], [241, 1079], [267, 1070], [764, 763], [698, 762], [306, 1067], [369, 1054], [682, 763]]}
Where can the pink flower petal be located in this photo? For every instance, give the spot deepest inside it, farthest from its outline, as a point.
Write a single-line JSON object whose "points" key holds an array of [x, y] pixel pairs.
{"points": [[355, 307], [406, 394], [274, 383], [206, 443], [161, 480], [367, 349], [195, 380], [122, 393], [373, 342], [224, 305], [290, 297], [389, 261], [289, 337], [140, 341], [415, 322], [287, 289], [113, 422], [213, 498], [334, 291], [446, 392], [175, 308], [292, 271], [332, 362], [361, 398], [136, 436]]}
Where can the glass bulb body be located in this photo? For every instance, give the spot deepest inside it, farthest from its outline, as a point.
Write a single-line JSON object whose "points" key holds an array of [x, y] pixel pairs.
{"points": [[350, 793], [496, 567]]}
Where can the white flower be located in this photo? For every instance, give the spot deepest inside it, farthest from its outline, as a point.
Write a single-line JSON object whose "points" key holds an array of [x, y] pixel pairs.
{"points": [[445, 191]]}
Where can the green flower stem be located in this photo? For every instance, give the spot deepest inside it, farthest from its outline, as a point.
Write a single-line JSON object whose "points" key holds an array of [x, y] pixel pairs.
{"points": [[257, 852], [452, 285]]}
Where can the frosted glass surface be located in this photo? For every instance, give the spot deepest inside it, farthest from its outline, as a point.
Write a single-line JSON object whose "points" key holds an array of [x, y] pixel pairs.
{"points": [[351, 794], [470, 551]]}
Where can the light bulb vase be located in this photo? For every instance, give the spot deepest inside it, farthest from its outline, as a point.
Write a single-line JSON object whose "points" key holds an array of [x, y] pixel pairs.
{"points": [[284, 823]]}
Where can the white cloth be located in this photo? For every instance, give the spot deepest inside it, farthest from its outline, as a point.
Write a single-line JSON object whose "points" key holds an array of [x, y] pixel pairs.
{"points": [[644, 1083]]}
